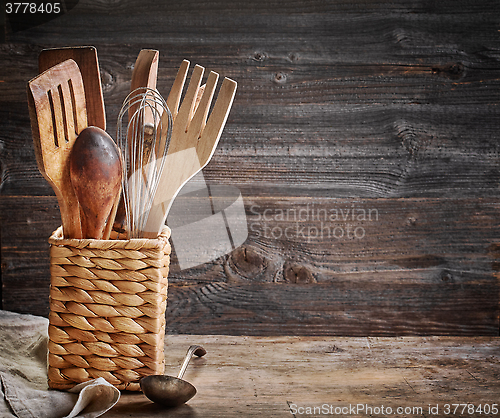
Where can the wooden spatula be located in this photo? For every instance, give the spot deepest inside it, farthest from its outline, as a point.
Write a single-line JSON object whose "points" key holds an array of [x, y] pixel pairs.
{"points": [[56, 100], [144, 76], [193, 140], [87, 61]]}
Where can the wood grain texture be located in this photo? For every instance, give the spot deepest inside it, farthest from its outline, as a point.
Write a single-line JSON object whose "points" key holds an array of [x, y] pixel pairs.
{"points": [[389, 106], [396, 280], [272, 377]]}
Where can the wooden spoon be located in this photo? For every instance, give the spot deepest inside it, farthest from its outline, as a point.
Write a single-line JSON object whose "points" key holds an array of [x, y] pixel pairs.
{"points": [[96, 175]]}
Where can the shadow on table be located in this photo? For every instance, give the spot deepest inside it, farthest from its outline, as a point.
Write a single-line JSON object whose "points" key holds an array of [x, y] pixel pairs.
{"points": [[138, 405]]}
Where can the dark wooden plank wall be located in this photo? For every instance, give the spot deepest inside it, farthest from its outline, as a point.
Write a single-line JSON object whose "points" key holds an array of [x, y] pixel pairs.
{"points": [[389, 106]]}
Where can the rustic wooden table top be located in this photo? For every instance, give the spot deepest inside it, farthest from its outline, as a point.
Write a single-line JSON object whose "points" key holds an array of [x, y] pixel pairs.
{"points": [[290, 376]]}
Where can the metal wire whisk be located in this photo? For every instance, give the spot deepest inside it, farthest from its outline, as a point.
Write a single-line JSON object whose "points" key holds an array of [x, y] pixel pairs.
{"points": [[143, 142]]}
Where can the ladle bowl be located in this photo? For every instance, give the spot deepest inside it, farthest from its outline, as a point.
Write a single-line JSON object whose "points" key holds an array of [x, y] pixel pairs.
{"points": [[168, 390], [179, 391]]}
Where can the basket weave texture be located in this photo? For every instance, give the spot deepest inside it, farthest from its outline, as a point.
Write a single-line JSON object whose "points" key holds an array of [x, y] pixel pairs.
{"points": [[107, 309]]}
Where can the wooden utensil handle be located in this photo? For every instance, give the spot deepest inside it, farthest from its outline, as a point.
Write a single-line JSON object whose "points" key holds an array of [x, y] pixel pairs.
{"points": [[70, 218]]}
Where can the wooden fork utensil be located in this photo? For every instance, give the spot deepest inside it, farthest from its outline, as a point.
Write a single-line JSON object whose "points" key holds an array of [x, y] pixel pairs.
{"points": [[194, 138]]}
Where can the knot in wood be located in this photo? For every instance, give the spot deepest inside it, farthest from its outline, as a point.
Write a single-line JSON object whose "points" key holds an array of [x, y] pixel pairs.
{"points": [[107, 79], [446, 276], [412, 220], [296, 273], [453, 71], [411, 139], [248, 262], [280, 77], [259, 56]]}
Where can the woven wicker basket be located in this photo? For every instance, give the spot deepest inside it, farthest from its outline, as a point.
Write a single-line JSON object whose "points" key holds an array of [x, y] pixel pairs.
{"points": [[107, 309]]}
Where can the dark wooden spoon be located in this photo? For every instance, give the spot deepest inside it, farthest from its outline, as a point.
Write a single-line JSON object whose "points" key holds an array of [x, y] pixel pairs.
{"points": [[96, 175]]}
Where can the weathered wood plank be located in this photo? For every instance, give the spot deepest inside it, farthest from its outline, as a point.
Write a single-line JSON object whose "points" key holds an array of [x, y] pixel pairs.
{"points": [[258, 20], [316, 53], [272, 377], [350, 307], [430, 258], [385, 235], [406, 80], [395, 153]]}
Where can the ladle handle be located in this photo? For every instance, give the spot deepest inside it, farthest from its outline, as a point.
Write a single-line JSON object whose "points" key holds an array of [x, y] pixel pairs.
{"points": [[194, 349]]}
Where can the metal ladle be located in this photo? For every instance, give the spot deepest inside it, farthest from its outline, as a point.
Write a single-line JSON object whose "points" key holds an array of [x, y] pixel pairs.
{"points": [[168, 390]]}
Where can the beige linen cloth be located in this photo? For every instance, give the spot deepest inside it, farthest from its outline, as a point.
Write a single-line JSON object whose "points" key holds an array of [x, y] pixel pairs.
{"points": [[24, 391]]}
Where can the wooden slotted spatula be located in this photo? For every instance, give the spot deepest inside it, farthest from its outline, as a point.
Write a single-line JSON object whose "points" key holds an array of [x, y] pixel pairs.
{"points": [[88, 62], [56, 100], [193, 140]]}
